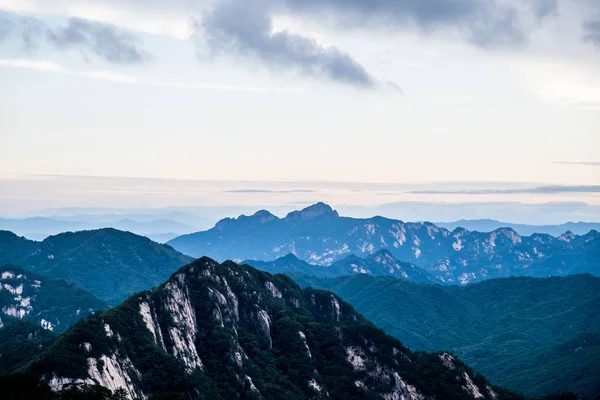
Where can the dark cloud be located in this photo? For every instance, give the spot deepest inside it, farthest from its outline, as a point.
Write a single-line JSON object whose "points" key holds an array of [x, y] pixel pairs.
{"points": [[544, 8], [485, 23], [536, 190], [6, 26], [592, 32], [106, 41], [244, 28]]}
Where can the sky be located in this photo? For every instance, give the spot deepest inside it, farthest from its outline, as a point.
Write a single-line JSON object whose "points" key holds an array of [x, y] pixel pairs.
{"points": [[460, 107]]}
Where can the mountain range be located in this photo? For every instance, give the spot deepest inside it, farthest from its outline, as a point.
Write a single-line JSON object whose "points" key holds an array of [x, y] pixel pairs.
{"points": [[381, 263], [489, 225], [318, 235], [52, 303], [225, 331], [521, 333], [111, 264]]}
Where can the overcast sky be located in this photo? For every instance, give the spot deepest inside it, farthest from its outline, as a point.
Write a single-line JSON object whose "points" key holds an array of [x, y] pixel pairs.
{"points": [[504, 94]]}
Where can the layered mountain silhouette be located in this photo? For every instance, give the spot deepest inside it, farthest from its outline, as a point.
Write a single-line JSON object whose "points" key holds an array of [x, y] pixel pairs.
{"points": [[521, 333], [225, 331], [111, 264], [381, 263], [490, 225], [320, 236]]}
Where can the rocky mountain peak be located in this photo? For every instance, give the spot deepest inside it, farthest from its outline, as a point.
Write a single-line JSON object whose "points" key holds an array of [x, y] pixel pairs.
{"points": [[220, 329], [314, 211], [568, 236], [383, 253], [264, 216]]}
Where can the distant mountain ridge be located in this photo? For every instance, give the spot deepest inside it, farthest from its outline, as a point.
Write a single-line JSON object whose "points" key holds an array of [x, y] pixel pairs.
{"points": [[521, 333], [157, 227], [111, 264], [381, 263], [318, 235], [489, 225]]}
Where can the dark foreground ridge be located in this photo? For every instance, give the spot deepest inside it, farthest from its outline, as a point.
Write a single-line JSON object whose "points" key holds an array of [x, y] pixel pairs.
{"points": [[226, 331]]}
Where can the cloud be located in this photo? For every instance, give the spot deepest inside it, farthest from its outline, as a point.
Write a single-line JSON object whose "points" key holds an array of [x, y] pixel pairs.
{"points": [[270, 191], [50, 66], [586, 163], [245, 29], [535, 190], [488, 23], [108, 42], [592, 32], [544, 8]]}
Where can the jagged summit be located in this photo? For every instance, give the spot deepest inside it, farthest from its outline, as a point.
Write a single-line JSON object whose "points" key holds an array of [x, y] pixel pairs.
{"points": [[316, 210], [318, 235], [264, 216], [227, 331], [382, 252]]}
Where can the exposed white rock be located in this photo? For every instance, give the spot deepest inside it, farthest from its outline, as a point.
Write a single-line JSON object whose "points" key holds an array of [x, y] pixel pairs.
{"points": [[432, 230], [273, 289], [370, 228], [492, 392], [367, 247], [149, 319], [108, 331], [295, 302], [303, 337], [567, 237], [465, 278], [314, 385], [215, 294], [8, 275], [14, 290], [417, 253], [252, 387], [471, 387], [399, 233], [356, 357], [403, 391], [448, 361], [237, 356], [336, 307], [512, 235], [115, 374], [87, 347], [47, 325], [183, 333], [36, 284], [457, 245], [264, 323], [57, 383], [15, 311], [26, 302], [233, 298]]}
